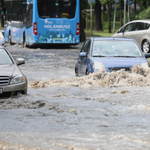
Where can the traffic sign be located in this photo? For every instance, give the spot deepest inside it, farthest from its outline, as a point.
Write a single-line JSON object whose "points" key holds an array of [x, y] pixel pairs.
{"points": [[91, 1], [129, 2]]}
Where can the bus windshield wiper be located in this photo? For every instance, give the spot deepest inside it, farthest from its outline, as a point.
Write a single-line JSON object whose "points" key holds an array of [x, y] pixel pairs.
{"points": [[44, 17]]}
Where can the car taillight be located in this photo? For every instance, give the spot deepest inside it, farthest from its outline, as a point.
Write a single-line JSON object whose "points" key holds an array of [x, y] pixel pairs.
{"points": [[35, 28], [78, 29]]}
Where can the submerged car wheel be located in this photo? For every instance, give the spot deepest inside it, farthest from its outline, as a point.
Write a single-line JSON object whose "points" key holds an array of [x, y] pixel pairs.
{"points": [[86, 73], [76, 72], [146, 46]]}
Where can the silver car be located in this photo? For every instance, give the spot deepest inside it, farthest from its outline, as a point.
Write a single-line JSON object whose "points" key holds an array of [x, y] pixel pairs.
{"points": [[138, 30], [12, 80]]}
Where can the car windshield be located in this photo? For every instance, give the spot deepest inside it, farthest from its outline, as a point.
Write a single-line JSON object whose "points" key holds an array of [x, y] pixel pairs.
{"points": [[115, 49], [5, 58]]}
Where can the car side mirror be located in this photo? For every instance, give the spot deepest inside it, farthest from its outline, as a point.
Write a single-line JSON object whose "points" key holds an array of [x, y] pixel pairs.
{"points": [[83, 54], [20, 61]]}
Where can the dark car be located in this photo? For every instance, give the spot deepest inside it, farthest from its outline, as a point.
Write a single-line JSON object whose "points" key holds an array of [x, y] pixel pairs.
{"points": [[12, 80], [109, 54]]}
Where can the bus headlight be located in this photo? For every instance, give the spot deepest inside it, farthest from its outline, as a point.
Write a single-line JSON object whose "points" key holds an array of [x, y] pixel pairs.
{"points": [[98, 66], [17, 79], [144, 65]]}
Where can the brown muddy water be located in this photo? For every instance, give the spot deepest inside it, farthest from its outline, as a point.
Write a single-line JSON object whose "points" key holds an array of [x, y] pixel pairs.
{"points": [[101, 111]]}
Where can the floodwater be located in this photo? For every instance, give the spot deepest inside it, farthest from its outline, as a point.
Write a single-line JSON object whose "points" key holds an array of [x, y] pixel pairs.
{"points": [[101, 111]]}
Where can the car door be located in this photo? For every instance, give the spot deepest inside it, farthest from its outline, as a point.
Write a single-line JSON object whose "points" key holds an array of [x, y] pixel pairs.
{"points": [[129, 30], [119, 33], [83, 60], [138, 31]]}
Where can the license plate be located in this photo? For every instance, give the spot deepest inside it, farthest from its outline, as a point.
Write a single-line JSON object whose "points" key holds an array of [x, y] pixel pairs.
{"points": [[1, 91]]}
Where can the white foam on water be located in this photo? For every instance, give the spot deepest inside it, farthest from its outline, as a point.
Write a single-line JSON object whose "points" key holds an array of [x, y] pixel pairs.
{"points": [[139, 76]]}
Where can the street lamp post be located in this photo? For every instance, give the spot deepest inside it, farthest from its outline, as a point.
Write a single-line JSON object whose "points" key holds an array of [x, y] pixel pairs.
{"points": [[91, 3]]}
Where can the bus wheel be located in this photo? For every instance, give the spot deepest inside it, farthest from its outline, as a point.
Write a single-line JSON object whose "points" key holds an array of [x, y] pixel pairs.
{"points": [[10, 40], [24, 41]]}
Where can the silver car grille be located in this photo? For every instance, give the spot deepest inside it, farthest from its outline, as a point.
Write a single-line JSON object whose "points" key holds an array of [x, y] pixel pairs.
{"points": [[4, 80], [117, 69]]}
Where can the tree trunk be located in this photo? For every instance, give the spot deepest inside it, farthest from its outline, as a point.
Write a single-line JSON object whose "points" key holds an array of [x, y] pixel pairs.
{"points": [[135, 5], [121, 14], [145, 4], [109, 18], [104, 12], [2, 15], [82, 33], [98, 19]]}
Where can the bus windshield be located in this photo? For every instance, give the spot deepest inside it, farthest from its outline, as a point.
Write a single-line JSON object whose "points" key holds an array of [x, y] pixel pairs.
{"points": [[56, 8]]}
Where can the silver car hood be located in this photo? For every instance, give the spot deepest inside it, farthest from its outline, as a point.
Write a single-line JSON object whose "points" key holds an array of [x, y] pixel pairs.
{"points": [[7, 70]]}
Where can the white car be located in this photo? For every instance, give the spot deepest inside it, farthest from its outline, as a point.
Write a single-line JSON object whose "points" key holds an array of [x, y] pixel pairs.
{"points": [[2, 42]]}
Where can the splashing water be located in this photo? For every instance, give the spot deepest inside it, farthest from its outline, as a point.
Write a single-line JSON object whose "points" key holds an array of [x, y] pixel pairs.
{"points": [[139, 76]]}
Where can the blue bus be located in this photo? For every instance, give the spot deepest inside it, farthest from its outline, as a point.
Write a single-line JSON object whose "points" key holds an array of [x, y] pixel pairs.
{"points": [[34, 22]]}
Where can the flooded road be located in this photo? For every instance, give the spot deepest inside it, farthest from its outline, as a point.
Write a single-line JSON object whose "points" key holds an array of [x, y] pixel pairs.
{"points": [[62, 112]]}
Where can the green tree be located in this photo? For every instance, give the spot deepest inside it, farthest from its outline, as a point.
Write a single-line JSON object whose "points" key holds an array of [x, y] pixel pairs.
{"points": [[2, 18], [83, 5], [145, 14], [108, 3], [98, 14]]}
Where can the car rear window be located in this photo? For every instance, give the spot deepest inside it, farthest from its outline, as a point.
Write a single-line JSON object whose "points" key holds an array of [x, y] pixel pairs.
{"points": [[147, 26], [5, 58]]}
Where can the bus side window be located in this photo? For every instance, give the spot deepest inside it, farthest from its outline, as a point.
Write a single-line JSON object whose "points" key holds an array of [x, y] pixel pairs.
{"points": [[29, 15], [24, 13]]}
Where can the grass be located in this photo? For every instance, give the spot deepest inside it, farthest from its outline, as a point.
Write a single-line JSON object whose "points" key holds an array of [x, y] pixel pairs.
{"points": [[103, 33], [97, 33], [1, 28]]}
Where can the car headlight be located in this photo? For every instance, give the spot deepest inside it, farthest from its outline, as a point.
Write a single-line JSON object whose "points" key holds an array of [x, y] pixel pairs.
{"points": [[98, 66], [144, 65], [17, 79]]}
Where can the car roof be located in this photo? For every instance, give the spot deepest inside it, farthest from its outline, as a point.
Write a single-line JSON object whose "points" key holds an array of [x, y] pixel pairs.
{"points": [[144, 20], [111, 38]]}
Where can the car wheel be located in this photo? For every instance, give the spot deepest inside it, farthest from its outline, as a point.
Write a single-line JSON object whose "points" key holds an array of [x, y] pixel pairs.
{"points": [[76, 72], [25, 92], [86, 73], [146, 46]]}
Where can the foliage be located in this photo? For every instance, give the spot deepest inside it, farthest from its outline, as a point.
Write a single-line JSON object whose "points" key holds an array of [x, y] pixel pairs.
{"points": [[106, 1], [103, 33], [84, 4], [145, 14], [141, 3], [140, 10]]}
